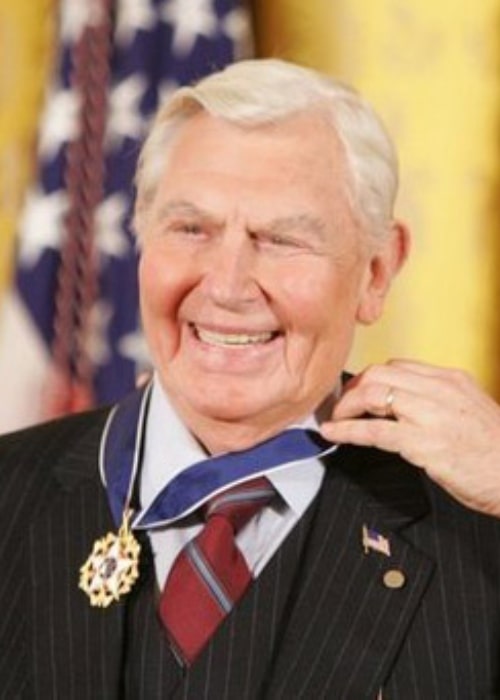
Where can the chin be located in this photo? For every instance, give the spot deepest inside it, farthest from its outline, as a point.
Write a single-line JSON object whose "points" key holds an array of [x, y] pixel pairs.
{"points": [[234, 401], [228, 410]]}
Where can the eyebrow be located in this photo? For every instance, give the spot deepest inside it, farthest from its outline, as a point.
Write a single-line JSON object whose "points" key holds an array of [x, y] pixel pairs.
{"points": [[181, 206], [302, 222], [280, 225]]}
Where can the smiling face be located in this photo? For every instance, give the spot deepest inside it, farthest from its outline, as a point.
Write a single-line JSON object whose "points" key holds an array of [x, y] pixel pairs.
{"points": [[253, 274]]}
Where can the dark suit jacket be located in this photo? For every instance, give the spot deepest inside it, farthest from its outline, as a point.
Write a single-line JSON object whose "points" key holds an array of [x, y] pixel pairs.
{"points": [[322, 620]]}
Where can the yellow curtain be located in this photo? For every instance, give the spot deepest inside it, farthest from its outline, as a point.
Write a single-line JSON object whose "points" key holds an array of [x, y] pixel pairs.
{"points": [[25, 41], [432, 71]]}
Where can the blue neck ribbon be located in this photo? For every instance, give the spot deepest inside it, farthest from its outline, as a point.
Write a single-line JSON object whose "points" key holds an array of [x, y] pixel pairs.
{"points": [[120, 458]]}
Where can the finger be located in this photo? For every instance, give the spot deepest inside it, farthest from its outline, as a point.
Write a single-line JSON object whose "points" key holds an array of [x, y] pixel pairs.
{"points": [[385, 401], [374, 398], [385, 435], [420, 368], [450, 375], [435, 390], [443, 385], [392, 375]]}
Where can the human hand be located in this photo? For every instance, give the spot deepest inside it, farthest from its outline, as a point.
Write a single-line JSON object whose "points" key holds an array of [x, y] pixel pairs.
{"points": [[438, 419]]}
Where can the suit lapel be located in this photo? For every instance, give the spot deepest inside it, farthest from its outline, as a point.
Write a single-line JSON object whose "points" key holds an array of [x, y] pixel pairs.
{"points": [[75, 650], [353, 608]]}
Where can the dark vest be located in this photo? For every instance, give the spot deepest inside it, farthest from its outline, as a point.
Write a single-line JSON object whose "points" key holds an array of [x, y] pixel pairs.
{"points": [[237, 661]]}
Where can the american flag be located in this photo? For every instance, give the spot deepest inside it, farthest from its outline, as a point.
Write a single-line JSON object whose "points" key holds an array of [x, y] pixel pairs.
{"points": [[375, 542], [153, 46]]}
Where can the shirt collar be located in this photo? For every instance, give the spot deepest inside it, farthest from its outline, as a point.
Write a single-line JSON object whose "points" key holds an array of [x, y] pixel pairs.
{"points": [[169, 448]]}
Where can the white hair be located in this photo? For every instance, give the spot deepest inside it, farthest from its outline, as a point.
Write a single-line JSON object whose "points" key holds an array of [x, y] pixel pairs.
{"points": [[257, 92]]}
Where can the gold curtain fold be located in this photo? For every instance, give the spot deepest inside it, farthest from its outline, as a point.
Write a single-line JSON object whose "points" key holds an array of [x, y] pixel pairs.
{"points": [[25, 54], [432, 71]]}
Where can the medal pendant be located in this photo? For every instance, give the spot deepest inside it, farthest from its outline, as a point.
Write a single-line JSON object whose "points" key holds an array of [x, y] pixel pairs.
{"points": [[113, 566]]}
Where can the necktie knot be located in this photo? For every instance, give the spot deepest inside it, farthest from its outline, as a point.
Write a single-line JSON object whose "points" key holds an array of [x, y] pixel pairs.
{"points": [[240, 503]]}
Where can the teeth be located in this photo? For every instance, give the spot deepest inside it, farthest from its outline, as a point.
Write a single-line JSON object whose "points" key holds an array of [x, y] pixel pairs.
{"points": [[214, 338]]}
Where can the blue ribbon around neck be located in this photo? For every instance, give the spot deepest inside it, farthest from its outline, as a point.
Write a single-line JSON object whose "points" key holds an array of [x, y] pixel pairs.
{"points": [[121, 448]]}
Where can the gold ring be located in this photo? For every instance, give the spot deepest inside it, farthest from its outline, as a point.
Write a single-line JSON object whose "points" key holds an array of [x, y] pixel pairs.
{"points": [[389, 403]]}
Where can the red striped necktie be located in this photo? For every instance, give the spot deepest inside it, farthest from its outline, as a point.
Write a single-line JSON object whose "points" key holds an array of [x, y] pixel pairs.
{"points": [[210, 574]]}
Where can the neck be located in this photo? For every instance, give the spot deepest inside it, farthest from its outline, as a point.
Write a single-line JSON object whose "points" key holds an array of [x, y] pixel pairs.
{"points": [[219, 434]]}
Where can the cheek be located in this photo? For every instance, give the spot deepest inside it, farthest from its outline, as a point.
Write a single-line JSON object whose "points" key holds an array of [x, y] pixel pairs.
{"points": [[153, 285], [314, 299], [163, 280], [321, 318], [163, 287]]}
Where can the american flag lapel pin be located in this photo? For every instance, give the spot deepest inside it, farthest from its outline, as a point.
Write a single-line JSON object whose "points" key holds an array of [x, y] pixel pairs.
{"points": [[373, 541]]}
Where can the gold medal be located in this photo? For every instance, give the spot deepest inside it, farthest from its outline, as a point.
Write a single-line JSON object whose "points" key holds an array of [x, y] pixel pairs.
{"points": [[113, 566]]}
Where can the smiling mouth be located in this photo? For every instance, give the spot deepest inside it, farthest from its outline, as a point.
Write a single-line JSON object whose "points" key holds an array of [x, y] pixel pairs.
{"points": [[233, 340]]}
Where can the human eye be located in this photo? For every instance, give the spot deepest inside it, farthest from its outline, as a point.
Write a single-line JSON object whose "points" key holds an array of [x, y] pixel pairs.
{"points": [[279, 243], [186, 227]]}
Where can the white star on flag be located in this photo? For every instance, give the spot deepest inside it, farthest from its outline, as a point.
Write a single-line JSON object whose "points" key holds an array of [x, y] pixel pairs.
{"points": [[132, 16], [125, 118], [59, 122], [111, 237], [41, 225], [98, 345], [134, 346], [189, 20], [235, 25]]}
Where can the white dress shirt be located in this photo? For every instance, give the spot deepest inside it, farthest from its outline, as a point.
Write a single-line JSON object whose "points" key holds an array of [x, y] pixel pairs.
{"points": [[169, 448]]}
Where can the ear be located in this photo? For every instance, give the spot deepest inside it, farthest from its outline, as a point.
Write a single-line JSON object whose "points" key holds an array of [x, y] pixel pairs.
{"points": [[383, 265]]}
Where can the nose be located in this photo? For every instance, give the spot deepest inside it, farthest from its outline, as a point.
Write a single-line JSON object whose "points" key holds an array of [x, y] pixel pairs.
{"points": [[230, 276]]}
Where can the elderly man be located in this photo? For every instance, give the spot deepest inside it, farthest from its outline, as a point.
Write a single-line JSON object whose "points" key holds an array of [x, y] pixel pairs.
{"points": [[203, 539]]}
